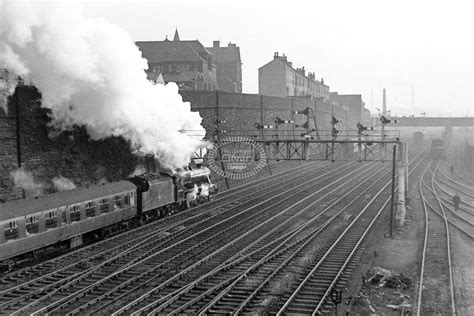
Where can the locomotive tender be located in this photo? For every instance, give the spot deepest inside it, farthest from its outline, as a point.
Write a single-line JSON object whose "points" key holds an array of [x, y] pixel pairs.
{"points": [[64, 218]]}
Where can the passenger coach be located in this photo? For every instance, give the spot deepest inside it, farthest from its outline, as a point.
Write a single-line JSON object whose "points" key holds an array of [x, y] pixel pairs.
{"points": [[34, 223]]}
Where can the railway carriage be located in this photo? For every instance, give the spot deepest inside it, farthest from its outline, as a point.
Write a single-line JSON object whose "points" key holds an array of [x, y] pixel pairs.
{"points": [[65, 218], [34, 223]]}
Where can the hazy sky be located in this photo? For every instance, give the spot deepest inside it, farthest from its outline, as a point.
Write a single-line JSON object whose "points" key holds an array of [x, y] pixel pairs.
{"points": [[358, 47]]}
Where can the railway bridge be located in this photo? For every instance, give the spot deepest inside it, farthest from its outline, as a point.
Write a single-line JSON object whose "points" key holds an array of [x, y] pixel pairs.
{"points": [[447, 122]]}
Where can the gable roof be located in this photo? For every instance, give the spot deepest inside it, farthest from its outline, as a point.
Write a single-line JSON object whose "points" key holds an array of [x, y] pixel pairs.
{"points": [[173, 51], [181, 77], [225, 54]]}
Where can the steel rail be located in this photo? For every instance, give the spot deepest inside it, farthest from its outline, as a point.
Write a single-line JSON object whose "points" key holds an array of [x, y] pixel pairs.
{"points": [[123, 240], [454, 214], [295, 247], [348, 257], [147, 255], [448, 242], [216, 217], [152, 291], [267, 257], [426, 245]]}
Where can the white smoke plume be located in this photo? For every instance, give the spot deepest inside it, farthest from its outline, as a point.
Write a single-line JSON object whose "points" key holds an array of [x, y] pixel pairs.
{"points": [[24, 180], [138, 171], [7, 87], [63, 184], [204, 190], [90, 73], [192, 195]]}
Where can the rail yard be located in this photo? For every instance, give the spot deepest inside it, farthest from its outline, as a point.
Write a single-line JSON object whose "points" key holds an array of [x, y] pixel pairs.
{"points": [[280, 245], [144, 172]]}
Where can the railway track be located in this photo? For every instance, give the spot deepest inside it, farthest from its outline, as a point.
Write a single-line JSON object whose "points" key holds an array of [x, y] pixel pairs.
{"points": [[267, 245], [250, 276], [312, 294], [100, 252], [160, 291], [444, 187], [204, 255], [435, 288], [466, 175], [16, 299], [165, 225]]}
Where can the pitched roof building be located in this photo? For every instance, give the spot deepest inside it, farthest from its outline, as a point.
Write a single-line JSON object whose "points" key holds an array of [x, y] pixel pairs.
{"points": [[279, 78], [188, 63], [228, 65]]}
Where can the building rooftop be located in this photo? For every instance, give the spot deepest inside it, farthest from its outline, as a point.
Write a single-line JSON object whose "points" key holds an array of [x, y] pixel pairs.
{"points": [[230, 53], [173, 51]]}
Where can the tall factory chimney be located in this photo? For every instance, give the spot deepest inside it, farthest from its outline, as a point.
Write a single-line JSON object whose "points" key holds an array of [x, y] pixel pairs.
{"points": [[384, 105]]}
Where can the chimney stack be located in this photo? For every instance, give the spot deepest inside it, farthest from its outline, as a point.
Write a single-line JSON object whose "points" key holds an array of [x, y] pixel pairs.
{"points": [[216, 44]]}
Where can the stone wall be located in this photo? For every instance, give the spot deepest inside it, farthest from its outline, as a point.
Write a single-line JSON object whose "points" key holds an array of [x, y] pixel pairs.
{"points": [[46, 154], [241, 111], [69, 154]]}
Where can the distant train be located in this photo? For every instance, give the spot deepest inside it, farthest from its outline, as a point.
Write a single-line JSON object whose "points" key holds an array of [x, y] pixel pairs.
{"points": [[438, 149], [64, 218], [418, 138]]}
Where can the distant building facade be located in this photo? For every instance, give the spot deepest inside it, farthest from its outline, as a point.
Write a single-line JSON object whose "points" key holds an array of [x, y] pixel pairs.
{"points": [[188, 63], [228, 65], [279, 78], [352, 103]]}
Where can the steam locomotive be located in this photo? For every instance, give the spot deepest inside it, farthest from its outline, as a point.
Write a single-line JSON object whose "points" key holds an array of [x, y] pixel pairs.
{"points": [[65, 219]]}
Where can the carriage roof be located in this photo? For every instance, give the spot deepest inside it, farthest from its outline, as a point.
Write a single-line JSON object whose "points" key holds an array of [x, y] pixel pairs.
{"points": [[51, 201]]}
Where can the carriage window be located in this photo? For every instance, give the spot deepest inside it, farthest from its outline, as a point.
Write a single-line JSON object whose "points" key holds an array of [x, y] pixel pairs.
{"points": [[75, 213], [117, 202], [63, 217], [32, 225], [51, 220], [11, 230], [104, 205], [90, 209], [126, 199]]}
